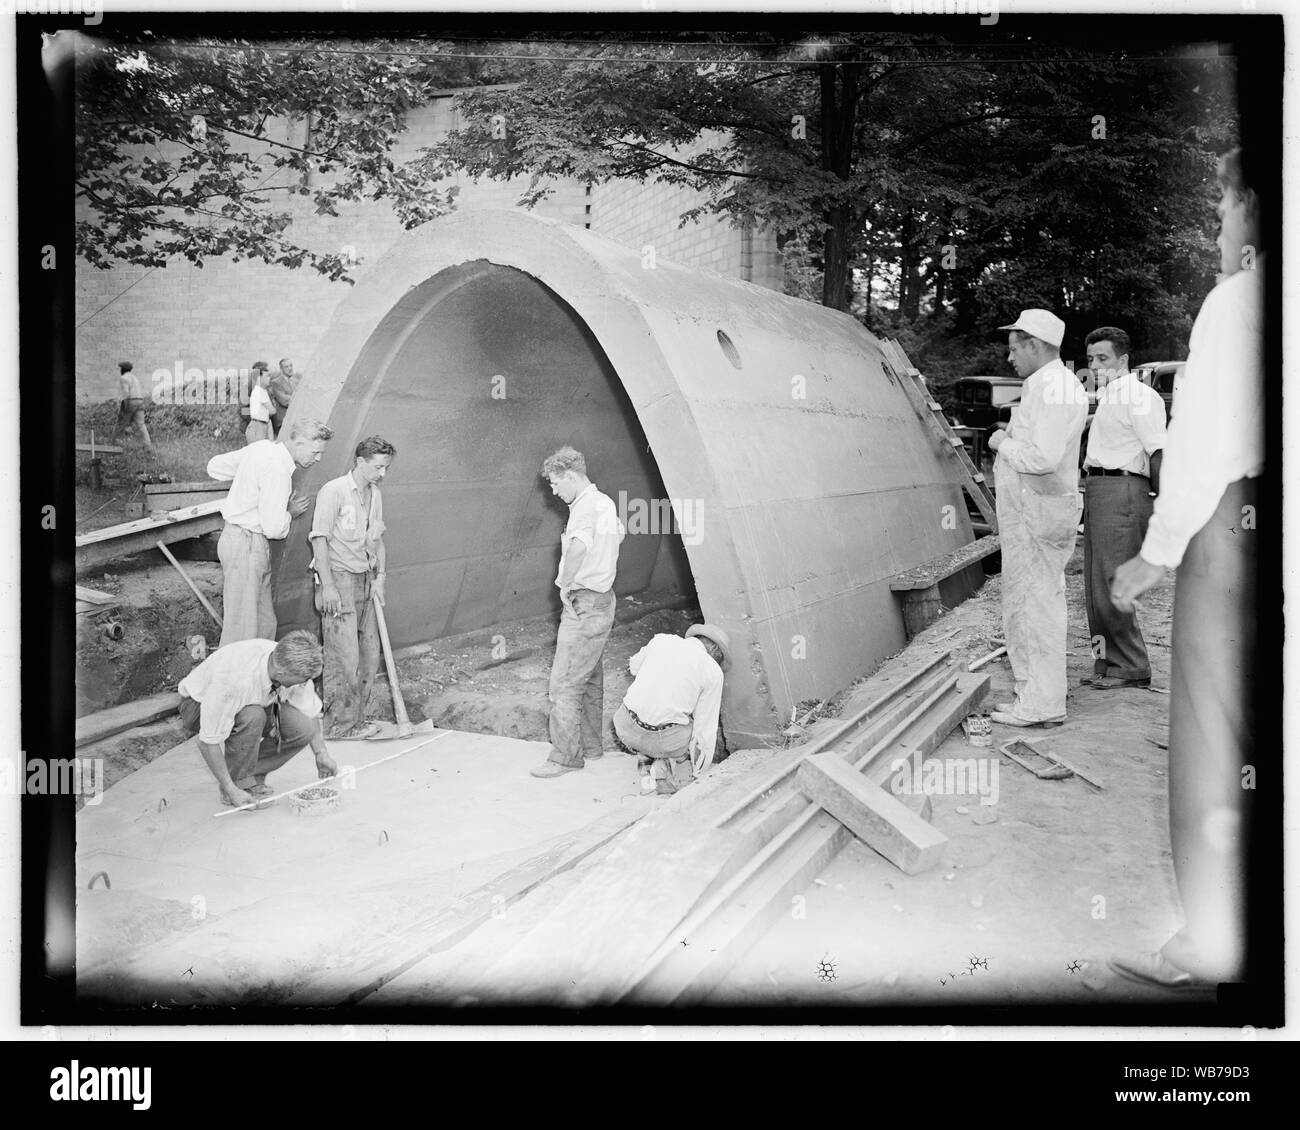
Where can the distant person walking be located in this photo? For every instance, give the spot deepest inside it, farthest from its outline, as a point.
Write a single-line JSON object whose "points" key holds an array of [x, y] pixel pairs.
{"points": [[588, 562], [281, 388], [259, 408], [131, 411], [260, 508]]}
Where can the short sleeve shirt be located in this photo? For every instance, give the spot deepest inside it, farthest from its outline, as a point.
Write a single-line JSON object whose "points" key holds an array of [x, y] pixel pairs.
{"points": [[352, 525]]}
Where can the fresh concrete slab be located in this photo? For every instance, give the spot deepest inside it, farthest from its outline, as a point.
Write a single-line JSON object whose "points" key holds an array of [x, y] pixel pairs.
{"points": [[249, 907]]}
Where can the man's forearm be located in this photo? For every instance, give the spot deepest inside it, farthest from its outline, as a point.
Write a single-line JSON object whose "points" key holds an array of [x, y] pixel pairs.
{"points": [[318, 737], [215, 758], [320, 547], [572, 563]]}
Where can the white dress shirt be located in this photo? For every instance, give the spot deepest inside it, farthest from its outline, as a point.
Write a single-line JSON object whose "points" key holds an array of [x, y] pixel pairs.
{"points": [[1042, 440], [235, 676], [676, 680], [1217, 435], [262, 475], [259, 404], [1128, 428], [593, 520]]}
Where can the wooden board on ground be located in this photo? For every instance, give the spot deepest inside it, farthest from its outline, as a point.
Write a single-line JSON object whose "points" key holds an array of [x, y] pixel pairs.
{"points": [[870, 813], [591, 946], [105, 723], [176, 496], [351, 982]]}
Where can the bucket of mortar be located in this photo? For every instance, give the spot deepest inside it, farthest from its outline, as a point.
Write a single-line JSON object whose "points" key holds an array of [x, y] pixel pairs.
{"points": [[316, 801]]}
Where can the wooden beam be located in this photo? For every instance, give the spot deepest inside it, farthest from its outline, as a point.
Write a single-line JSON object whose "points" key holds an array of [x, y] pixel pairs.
{"points": [[871, 814], [116, 719], [94, 596], [100, 546], [99, 449]]}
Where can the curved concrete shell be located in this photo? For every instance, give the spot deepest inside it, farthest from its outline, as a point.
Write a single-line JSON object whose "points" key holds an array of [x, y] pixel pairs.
{"points": [[801, 476]]}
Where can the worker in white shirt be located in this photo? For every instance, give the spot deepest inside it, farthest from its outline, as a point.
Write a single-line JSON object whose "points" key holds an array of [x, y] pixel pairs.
{"points": [[588, 562], [253, 707], [260, 507], [1037, 477], [131, 409], [669, 716], [259, 409], [1204, 525], [1122, 469]]}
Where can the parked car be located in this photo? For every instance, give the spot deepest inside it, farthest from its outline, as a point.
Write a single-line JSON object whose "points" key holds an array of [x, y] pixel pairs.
{"points": [[976, 401], [1164, 377]]}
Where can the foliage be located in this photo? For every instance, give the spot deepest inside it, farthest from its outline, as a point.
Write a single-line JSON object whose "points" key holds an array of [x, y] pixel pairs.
{"points": [[196, 149]]}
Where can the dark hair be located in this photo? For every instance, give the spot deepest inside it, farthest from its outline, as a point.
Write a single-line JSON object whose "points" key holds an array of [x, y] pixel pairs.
{"points": [[563, 461], [371, 446], [1116, 336], [125, 366], [1236, 172]]}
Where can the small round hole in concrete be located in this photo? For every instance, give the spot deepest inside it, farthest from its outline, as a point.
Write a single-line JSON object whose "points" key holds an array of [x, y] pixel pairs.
{"points": [[729, 348]]}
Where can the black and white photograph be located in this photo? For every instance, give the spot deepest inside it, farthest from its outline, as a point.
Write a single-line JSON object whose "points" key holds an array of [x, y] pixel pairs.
{"points": [[639, 517]]}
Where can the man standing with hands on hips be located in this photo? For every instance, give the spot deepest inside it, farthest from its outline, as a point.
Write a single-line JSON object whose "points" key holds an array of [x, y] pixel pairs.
{"points": [[588, 562], [1037, 478]]}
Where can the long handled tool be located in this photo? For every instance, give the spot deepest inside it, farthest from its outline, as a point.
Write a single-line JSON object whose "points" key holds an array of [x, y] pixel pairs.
{"points": [[404, 727]]}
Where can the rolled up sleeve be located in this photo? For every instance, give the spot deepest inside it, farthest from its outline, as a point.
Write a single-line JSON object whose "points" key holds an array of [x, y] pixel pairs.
{"points": [[223, 467], [217, 716]]}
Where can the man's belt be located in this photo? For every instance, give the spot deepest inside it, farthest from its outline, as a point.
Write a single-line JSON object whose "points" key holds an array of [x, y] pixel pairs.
{"points": [[646, 726], [1090, 471]]}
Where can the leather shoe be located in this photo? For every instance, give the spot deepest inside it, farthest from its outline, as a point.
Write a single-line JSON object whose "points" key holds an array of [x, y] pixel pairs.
{"points": [[1011, 718], [1113, 682], [1154, 969], [549, 768]]}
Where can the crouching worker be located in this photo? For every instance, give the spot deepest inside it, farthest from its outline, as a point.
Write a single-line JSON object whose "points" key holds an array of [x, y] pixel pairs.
{"points": [[669, 716], [253, 706]]}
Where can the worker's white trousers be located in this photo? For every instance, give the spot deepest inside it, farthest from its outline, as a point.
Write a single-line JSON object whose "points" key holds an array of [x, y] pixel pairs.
{"points": [[1037, 532]]}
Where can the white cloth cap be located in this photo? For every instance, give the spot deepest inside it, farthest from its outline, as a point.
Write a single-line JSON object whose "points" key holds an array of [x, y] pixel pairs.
{"points": [[1039, 323]]}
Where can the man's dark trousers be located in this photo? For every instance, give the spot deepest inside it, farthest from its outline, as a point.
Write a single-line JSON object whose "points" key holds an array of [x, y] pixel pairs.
{"points": [[1116, 510], [253, 748], [577, 689]]}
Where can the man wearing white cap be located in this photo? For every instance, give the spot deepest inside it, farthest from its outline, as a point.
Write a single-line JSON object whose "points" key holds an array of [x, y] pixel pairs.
{"points": [[669, 716], [1037, 479]]}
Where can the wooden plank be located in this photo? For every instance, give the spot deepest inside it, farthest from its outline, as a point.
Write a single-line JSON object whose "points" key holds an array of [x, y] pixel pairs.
{"points": [[941, 568], [176, 496], [101, 546], [125, 529], [871, 814], [99, 449], [94, 596], [588, 949], [722, 928], [384, 961], [106, 723]]}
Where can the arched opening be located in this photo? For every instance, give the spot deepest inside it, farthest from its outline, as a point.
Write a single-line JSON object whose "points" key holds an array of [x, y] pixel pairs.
{"points": [[476, 375]]}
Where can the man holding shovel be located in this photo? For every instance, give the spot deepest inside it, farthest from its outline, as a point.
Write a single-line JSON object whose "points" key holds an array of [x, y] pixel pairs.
{"points": [[347, 538]]}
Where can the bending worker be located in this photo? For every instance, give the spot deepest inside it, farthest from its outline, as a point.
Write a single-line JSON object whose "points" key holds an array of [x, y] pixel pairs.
{"points": [[253, 707], [669, 716]]}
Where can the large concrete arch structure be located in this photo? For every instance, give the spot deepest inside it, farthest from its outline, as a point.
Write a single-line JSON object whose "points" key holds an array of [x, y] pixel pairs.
{"points": [[801, 476]]}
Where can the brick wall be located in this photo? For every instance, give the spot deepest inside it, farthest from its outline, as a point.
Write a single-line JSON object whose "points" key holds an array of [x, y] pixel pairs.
{"points": [[227, 314]]}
